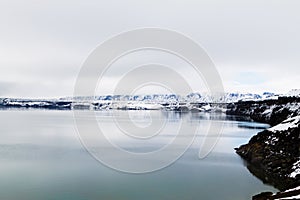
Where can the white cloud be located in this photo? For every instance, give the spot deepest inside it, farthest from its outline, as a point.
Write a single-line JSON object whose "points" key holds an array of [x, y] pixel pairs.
{"points": [[43, 44]]}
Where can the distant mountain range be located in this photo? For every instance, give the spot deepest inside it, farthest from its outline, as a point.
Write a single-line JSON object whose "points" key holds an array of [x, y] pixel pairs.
{"points": [[147, 102], [193, 97]]}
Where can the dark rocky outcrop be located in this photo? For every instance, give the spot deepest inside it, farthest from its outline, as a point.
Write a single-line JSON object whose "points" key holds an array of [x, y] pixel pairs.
{"points": [[8, 103], [268, 111], [279, 195], [271, 156]]}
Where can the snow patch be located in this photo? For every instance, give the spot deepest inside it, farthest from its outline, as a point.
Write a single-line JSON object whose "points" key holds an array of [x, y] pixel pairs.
{"points": [[296, 168], [286, 124], [293, 197], [293, 93]]}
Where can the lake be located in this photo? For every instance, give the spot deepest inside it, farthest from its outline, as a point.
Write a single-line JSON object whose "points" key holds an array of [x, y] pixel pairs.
{"points": [[42, 157]]}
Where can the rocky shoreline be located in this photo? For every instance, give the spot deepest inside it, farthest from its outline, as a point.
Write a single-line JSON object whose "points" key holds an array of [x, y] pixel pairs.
{"points": [[273, 155], [292, 194]]}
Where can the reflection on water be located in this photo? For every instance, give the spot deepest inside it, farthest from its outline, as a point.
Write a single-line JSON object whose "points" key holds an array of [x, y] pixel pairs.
{"points": [[41, 157]]}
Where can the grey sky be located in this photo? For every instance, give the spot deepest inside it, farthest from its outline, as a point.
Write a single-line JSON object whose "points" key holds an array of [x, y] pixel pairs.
{"points": [[254, 44]]}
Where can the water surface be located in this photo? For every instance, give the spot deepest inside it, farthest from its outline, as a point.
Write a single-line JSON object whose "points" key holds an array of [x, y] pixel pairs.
{"points": [[41, 157]]}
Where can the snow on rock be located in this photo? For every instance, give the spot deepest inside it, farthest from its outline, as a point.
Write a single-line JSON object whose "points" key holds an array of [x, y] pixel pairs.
{"points": [[193, 101], [288, 194], [296, 188], [293, 93], [286, 124], [296, 168], [272, 112], [273, 154], [204, 97], [206, 107]]}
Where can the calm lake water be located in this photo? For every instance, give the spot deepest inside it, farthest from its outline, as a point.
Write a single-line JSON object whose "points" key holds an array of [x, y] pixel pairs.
{"points": [[41, 157]]}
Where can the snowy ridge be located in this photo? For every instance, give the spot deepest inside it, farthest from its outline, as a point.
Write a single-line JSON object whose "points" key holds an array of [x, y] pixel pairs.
{"points": [[293, 93], [193, 97], [296, 168], [193, 101], [286, 124]]}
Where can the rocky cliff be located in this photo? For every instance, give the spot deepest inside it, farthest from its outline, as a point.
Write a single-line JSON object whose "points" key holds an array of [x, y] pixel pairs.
{"points": [[272, 112], [273, 155]]}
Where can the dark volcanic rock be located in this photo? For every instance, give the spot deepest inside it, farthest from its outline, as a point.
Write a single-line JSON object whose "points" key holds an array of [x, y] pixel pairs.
{"points": [[290, 194], [263, 196], [268, 111], [271, 156]]}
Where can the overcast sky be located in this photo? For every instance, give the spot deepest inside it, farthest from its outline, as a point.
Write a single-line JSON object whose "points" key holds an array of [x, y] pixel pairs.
{"points": [[255, 45]]}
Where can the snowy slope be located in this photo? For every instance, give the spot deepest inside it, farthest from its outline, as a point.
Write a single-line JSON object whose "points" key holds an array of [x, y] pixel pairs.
{"points": [[286, 124], [293, 93]]}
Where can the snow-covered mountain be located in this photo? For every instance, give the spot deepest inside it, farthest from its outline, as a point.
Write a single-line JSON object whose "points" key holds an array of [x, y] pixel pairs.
{"points": [[150, 101], [193, 98], [235, 97], [293, 93]]}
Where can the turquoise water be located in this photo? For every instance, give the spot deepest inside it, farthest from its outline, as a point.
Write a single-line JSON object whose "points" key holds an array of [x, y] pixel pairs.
{"points": [[41, 157]]}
